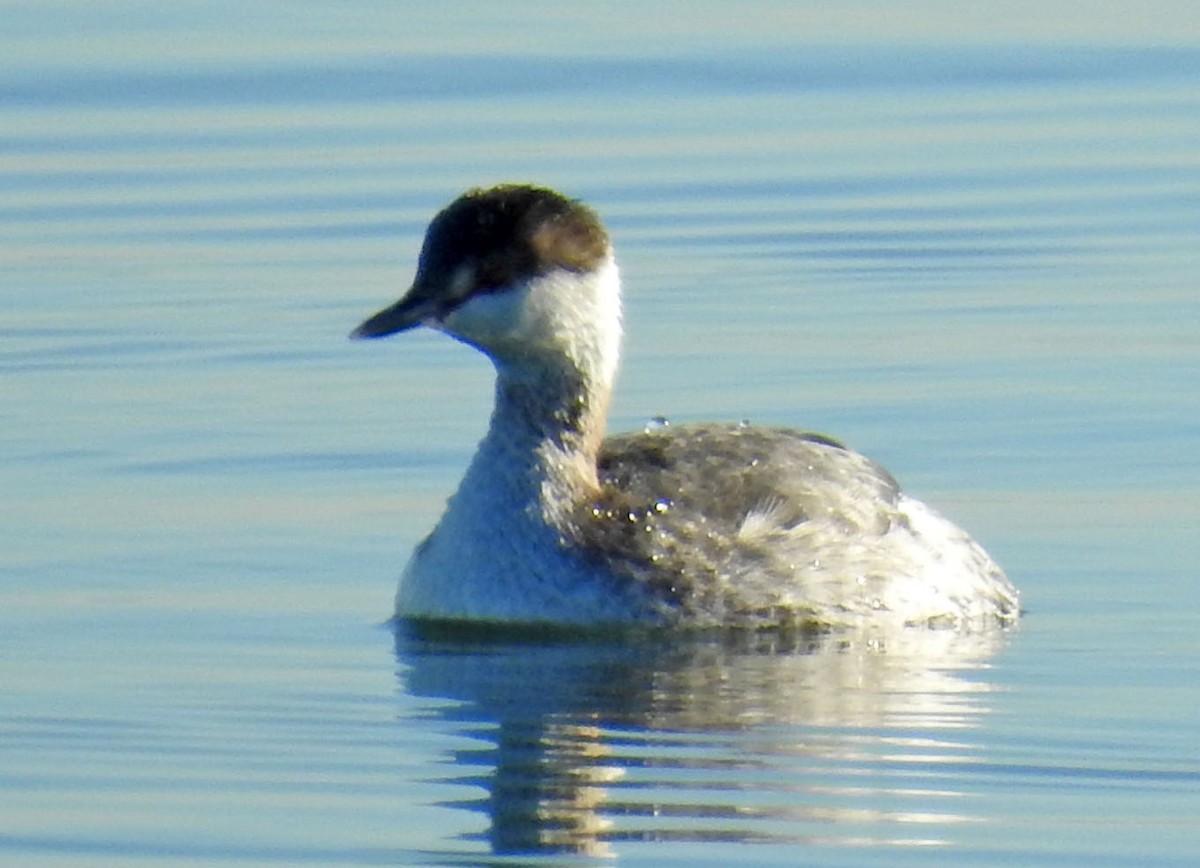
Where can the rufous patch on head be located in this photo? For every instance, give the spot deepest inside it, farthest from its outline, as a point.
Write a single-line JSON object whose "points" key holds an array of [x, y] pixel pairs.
{"points": [[575, 240]]}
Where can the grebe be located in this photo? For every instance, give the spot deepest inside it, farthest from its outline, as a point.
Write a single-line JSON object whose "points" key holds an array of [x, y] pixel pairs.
{"points": [[697, 525]]}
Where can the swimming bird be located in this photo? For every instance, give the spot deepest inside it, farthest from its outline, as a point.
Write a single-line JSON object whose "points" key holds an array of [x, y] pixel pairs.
{"points": [[697, 525]]}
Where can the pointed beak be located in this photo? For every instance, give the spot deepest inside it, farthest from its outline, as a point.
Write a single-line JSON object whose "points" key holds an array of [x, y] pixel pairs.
{"points": [[411, 311]]}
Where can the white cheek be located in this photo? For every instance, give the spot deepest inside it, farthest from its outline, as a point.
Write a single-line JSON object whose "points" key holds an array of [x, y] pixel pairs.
{"points": [[581, 315], [488, 317], [560, 316]]}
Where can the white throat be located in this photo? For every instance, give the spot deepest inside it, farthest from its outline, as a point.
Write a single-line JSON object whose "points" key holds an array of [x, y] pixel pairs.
{"points": [[555, 341]]}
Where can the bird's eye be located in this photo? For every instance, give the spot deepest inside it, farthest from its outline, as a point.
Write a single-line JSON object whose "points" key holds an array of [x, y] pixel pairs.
{"points": [[492, 274]]}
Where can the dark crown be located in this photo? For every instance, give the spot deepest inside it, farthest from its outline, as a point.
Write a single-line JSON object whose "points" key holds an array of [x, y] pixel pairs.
{"points": [[508, 232]]}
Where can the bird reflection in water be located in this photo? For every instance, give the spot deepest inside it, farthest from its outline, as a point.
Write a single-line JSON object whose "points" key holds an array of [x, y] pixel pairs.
{"points": [[734, 738]]}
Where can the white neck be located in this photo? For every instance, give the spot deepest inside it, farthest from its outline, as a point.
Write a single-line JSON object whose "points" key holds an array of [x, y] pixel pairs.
{"points": [[552, 397]]}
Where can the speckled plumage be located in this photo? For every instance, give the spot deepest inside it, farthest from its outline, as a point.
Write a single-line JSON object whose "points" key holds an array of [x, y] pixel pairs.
{"points": [[752, 525], [698, 525]]}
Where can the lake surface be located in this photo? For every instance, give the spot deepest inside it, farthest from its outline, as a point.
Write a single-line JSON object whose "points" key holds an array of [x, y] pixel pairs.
{"points": [[965, 242]]}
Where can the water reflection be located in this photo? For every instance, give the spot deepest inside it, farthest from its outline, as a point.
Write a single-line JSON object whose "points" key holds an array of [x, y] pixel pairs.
{"points": [[762, 737]]}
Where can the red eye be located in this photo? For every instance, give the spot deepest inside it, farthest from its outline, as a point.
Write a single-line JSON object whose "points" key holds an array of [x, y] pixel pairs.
{"points": [[491, 275]]}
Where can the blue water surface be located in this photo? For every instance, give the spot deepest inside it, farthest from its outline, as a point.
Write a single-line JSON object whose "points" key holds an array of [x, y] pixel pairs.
{"points": [[961, 240]]}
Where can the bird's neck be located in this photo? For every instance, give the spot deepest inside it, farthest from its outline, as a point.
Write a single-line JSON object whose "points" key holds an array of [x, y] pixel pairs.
{"points": [[543, 440], [552, 399]]}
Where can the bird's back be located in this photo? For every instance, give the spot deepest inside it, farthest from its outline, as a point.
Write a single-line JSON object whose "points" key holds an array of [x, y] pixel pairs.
{"points": [[764, 526]]}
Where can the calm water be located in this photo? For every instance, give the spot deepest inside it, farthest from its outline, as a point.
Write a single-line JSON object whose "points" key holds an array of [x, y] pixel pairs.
{"points": [[966, 245]]}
